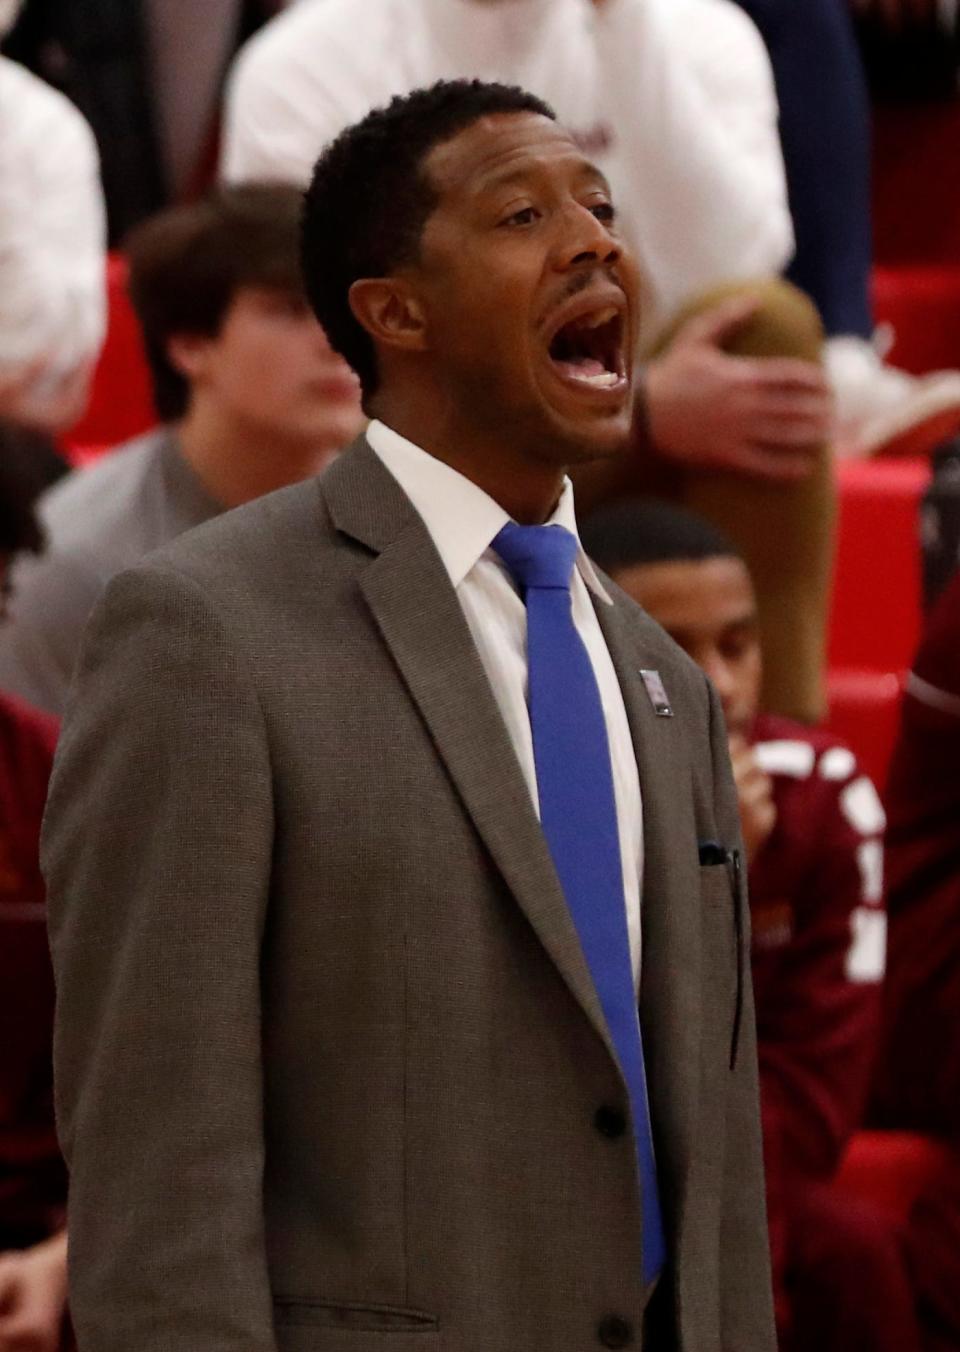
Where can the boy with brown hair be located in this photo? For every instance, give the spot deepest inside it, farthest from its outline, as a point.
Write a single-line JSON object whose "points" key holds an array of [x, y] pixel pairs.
{"points": [[251, 396]]}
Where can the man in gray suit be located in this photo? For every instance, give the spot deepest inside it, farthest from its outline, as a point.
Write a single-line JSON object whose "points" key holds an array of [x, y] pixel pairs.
{"points": [[341, 931]]}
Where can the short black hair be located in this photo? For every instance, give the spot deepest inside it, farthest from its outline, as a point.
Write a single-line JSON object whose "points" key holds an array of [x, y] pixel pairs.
{"points": [[24, 473], [369, 199], [641, 531], [188, 263]]}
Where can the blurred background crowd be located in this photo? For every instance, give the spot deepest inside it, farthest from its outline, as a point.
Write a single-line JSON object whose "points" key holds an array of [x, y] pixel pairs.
{"points": [[786, 173]]}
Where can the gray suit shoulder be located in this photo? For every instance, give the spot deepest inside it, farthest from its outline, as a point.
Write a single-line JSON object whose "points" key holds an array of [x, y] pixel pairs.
{"points": [[271, 535]]}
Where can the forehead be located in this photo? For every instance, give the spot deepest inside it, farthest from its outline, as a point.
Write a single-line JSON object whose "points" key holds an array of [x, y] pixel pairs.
{"points": [[704, 594], [501, 148]]}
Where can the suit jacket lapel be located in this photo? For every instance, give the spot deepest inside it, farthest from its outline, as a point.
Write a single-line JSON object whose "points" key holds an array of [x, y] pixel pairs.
{"points": [[420, 619], [670, 989]]}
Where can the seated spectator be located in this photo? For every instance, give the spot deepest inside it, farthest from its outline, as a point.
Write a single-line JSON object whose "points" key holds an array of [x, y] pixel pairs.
{"points": [[825, 132], [147, 74], [33, 1184], [52, 240], [812, 827], [252, 399], [693, 156], [619, 82], [918, 1072]]}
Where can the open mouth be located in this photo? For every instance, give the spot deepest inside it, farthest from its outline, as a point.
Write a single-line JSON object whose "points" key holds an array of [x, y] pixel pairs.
{"points": [[588, 350]]}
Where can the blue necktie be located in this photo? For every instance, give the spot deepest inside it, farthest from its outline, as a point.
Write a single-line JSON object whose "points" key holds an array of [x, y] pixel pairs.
{"points": [[579, 816]]}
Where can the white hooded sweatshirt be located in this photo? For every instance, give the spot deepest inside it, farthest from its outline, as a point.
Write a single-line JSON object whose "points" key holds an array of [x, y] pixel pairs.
{"points": [[52, 238], [673, 99]]}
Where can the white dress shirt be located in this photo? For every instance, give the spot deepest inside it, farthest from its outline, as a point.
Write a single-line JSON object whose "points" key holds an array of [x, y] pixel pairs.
{"points": [[52, 239], [673, 100], [463, 521]]}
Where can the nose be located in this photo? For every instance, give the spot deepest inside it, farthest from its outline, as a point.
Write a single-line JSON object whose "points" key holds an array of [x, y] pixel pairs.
{"points": [[586, 240]]}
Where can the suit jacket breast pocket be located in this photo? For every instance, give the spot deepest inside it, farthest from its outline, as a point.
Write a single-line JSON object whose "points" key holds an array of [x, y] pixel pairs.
{"points": [[721, 892]]}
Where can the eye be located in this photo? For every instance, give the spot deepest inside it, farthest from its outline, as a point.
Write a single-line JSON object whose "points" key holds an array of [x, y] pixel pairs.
{"points": [[525, 216], [735, 647], [604, 211]]}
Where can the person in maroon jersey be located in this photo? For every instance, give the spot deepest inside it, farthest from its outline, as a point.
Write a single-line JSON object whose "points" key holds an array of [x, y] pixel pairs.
{"points": [[33, 1181], [918, 1072], [812, 826]]}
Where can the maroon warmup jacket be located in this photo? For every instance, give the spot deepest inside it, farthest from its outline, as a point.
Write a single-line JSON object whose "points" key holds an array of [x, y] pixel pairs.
{"points": [[918, 1071], [32, 1175], [918, 1079], [819, 940]]}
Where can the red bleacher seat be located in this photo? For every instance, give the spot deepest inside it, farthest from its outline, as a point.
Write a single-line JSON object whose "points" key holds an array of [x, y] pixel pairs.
{"points": [[121, 403], [890, 1168], [875, 611], [922, 305], [916, 199], [876, 608], [864, 712]]}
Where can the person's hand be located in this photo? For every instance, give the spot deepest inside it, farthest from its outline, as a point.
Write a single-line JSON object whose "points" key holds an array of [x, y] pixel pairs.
{"points": [[758, 812], [54, 410], [760, 416], [15, 387], [65, 405], [33, 1297]]}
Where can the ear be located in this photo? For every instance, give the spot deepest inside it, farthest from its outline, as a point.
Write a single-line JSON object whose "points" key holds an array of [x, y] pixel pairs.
{"points": [[187, 353], [390, 313]]}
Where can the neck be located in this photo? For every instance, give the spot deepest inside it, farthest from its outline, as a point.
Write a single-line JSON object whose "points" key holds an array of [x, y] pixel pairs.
{"points": [[237, 463], [527, 488]]}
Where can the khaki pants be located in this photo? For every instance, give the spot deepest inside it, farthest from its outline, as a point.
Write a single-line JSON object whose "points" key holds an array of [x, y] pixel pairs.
{"points": [[785, 532]]}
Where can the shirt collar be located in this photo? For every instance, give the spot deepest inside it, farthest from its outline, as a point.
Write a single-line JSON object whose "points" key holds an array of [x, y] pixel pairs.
{"points": [[462, 519]]}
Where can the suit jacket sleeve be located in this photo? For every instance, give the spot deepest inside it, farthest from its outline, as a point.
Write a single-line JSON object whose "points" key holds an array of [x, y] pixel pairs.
{"points": [[157, 849], [746, 1299]]}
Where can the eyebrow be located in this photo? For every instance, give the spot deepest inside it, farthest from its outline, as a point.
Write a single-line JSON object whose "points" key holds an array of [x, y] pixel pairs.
{"points": [[685, 634], [521, 174]]}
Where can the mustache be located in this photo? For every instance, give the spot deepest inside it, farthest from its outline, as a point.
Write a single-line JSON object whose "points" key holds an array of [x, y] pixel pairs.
{"points": [[582, 281]]}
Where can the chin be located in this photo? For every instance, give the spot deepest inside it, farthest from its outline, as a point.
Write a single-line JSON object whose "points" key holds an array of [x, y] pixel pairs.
{"points": [[584, 440], [582, 423], [338, 430]]}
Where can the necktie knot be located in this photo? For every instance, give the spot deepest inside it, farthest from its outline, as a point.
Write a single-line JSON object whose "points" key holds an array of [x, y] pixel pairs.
{"points": [[537, 556]]}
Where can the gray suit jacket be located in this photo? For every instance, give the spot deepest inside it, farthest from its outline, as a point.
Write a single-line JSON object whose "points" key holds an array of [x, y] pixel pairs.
{"points": [[329, 1059]]}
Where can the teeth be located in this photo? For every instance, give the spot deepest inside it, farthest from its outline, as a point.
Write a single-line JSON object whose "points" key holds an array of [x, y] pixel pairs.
{"points": [[603, 382], [601, 317]]}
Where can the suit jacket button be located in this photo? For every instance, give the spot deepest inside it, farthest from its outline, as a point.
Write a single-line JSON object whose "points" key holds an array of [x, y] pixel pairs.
{"points": [[610, 1122], [615, 1332]]}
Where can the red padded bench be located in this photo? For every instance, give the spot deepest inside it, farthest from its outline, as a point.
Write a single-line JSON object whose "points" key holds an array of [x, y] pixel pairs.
{"points": [[121, 400], [916, 198], [875, 610], [876, 607], [922, 304], [890, 1168], [864, 712]]}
